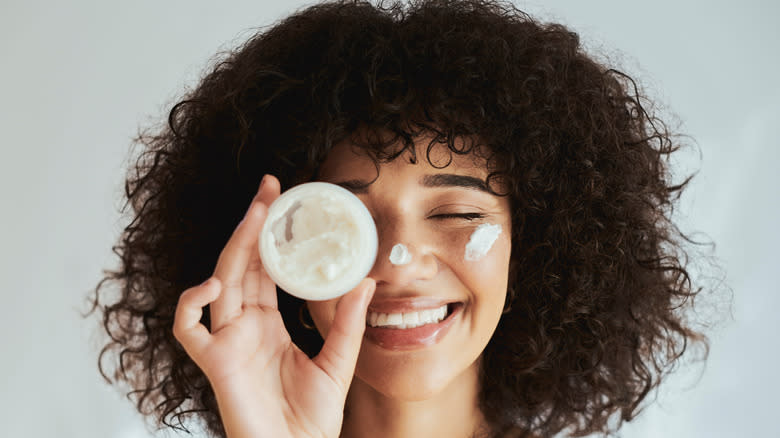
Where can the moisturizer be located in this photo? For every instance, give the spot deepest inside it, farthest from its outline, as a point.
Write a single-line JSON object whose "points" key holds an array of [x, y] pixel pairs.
{"points": [[318, 241], [482, 239], [400, 255]]}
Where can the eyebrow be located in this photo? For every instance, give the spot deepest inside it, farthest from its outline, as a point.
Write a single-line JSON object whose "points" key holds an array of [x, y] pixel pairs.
{"points": [[453, 180], [357, 186]]}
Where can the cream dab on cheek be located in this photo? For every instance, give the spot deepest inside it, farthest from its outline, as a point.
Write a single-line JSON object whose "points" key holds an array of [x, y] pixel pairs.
{"points": [[482, 239], [400, 254]]}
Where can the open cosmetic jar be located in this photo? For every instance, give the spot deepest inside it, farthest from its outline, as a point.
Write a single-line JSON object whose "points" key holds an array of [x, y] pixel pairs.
{"points": [[318, 241]]}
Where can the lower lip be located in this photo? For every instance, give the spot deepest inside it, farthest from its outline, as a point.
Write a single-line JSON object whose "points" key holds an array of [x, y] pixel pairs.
{"points": [[412, 338]]}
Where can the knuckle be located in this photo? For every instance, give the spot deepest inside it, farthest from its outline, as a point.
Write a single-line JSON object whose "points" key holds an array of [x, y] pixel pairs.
{"points": [[255, 265], [177, 330], [186, 297]]}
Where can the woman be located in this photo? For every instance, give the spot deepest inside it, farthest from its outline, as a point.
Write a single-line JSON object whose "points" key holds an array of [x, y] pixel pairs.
{"points": [[441, 116]]}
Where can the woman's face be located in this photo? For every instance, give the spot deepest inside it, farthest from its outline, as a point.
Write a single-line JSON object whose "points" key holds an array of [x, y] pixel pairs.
{"points": [[433, 212]]}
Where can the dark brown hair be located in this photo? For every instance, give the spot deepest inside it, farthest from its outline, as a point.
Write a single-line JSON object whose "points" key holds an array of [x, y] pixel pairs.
{"points": [[598, 272]]}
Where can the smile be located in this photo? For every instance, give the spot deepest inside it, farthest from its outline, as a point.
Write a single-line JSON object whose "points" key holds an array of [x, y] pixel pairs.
{"points": [[411, 329]]}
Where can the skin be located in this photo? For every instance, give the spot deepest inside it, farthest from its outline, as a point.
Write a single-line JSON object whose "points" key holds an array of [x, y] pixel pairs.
{"points": [[266, 387], [432, 390]]}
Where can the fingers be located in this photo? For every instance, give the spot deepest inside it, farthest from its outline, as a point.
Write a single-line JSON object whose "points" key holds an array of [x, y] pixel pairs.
{"points": [[236, 256], [186, 323], [340, 352], [270, 188], [259, 289]]}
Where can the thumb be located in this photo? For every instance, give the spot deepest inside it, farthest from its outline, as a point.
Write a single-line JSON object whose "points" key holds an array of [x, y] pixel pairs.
{"points": [[340, 352]]}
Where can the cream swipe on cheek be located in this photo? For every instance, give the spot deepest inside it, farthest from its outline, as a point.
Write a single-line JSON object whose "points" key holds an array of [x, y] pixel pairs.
{"points": [[482, 239], [400, 255]]}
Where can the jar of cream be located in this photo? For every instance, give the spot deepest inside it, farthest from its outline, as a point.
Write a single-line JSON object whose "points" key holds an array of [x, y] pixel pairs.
{"points": [[318, 241]]}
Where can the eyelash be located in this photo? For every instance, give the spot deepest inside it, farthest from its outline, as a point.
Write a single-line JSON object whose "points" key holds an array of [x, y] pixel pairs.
{"points": [[466, 216]]}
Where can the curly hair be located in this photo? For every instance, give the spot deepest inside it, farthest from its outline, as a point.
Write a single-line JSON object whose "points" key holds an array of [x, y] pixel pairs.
{"points": [[598, 273]]}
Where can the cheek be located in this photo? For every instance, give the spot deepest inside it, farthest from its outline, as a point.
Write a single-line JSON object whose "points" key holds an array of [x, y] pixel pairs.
{"points": [[489, 254], [482, 251], [493, 267], [487, 276]]}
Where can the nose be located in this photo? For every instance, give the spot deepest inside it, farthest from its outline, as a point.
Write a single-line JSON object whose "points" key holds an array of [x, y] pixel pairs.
{"points": [[424, 264]]}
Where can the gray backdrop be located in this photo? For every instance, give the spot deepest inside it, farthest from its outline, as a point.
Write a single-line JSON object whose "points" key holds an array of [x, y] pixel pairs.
{"points": [[80, 77]]}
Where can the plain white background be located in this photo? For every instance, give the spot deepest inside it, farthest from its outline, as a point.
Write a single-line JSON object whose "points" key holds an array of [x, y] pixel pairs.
{"points": [[79, 78]]}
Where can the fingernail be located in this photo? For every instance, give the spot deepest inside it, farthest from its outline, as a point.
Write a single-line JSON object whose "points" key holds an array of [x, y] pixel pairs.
{"points": [[262, 182]]}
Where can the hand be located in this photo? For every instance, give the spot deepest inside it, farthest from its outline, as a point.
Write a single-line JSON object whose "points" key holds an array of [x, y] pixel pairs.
{"points": [[264, 384]]}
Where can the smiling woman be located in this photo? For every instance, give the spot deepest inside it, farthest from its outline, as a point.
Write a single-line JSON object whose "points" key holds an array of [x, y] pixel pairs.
{"points": [[528, 278], [436, 211]]}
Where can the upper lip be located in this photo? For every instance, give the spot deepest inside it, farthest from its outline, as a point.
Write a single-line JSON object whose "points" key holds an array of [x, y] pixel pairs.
{"points": [[407, 304]]}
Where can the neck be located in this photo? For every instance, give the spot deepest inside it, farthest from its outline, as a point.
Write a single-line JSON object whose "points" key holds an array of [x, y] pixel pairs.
{"points": [[451, 412]]}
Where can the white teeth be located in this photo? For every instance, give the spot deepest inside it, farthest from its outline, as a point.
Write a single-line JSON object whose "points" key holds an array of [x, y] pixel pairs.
{"points": [[395, 319], [412, 319], [406, 320]]}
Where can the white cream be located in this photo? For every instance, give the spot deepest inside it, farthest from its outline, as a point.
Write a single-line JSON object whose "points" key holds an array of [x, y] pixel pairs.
{"points": [[480, 242], [323, 241], [318, 241], [400, 254]]}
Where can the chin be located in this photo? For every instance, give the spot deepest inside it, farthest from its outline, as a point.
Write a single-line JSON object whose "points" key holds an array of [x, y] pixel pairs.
{"points": [[412, 377], [403, 389]]}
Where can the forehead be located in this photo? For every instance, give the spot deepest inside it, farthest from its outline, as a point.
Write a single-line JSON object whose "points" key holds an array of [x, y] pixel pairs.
{"points": [[427, 153]]}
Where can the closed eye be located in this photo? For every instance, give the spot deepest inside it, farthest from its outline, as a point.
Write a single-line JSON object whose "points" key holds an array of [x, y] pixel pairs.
{"points": [[466, 216]]}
